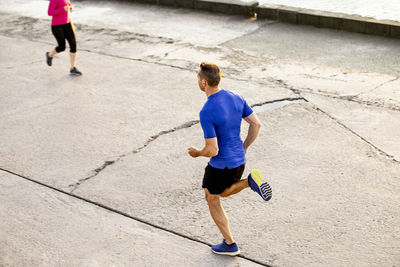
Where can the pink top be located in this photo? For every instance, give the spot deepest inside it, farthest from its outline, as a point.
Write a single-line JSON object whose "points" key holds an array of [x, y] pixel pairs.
{"points": [[56, 10]]}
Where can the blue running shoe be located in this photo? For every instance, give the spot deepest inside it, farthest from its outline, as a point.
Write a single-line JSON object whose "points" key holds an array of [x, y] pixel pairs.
{"points": [[225, 249], [263, 189]]}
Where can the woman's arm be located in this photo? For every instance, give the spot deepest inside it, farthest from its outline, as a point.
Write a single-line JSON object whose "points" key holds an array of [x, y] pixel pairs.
{"points": [[53, 10]]}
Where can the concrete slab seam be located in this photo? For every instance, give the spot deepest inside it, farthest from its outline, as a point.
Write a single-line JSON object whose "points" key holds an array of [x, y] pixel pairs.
{"points": [[297, 91], [353, 132], [350, 98], [124, 214]]}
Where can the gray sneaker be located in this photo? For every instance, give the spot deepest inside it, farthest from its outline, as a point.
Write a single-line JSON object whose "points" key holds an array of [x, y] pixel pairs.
{"points": [[75, 71], [49, 59]]}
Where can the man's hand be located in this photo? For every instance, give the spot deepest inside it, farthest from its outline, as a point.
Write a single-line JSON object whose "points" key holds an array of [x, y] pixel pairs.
{"points": [[193, 152], [209, 150]]}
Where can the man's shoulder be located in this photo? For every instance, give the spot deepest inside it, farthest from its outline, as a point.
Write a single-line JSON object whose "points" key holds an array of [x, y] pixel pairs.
{"points": [[206, 110], [233, 94]]}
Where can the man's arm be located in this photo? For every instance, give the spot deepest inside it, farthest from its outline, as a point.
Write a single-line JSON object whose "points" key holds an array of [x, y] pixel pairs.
{"points": [[254, 129], [209, 150]]}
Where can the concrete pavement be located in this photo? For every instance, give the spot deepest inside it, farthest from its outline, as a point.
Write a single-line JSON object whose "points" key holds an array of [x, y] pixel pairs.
{"points": [[108, 149], [88, 235]]}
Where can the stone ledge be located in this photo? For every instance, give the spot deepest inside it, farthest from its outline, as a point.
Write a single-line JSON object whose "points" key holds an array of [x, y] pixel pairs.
{"points": [[231, 7], [322, 19], [234, 7]]}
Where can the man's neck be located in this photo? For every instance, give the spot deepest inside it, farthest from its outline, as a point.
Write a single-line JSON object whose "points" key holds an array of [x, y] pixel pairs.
{"points": [[212, 90]]}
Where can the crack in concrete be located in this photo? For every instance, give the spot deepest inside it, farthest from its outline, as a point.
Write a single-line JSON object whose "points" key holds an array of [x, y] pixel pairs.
{"points": [[380, 85], [96, 172], [351, 98], [125, 36], [277, 82], [278, 100], [152, 138], [272, 105], [103, 206]]}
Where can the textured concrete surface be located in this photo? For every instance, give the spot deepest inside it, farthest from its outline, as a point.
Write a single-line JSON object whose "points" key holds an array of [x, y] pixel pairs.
{"points": [[106, 152], [382, 123], [324, 47], [301, 150], [101, 119], [44, 227]]}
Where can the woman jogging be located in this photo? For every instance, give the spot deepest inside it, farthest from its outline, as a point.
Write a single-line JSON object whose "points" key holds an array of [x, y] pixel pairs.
{"points": [[62, 28]]}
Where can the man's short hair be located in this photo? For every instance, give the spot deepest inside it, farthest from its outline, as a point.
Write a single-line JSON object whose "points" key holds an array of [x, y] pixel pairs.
{"points": [[210, 72]]}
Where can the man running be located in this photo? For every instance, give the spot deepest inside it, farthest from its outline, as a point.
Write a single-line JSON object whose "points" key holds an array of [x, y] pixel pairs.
{"points": [[221, 118]]}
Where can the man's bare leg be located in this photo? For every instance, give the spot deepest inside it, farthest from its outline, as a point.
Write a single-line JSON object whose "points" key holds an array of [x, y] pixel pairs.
{"points": [[235, 188], [219, 216]]}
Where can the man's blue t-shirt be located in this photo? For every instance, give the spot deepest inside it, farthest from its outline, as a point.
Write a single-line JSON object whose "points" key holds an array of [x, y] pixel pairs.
{"points": [[221, 117]]}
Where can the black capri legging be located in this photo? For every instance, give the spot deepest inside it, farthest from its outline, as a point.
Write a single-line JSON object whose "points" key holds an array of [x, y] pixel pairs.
{"points": [[62, 32]]}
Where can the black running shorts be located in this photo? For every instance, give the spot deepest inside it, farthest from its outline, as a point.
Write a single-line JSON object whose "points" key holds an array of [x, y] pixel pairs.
{"points": [[217, 180]]}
